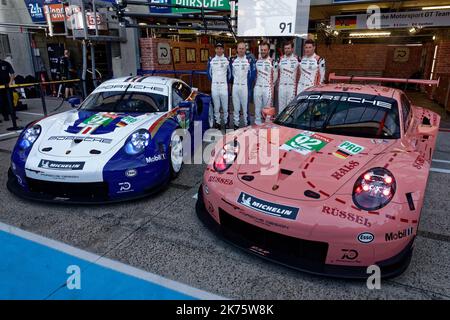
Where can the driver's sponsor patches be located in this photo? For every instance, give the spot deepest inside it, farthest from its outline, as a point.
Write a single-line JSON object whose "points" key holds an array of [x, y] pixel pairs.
{"points": [[57, 165], [306, 142], [273, 209], [347, 148]]}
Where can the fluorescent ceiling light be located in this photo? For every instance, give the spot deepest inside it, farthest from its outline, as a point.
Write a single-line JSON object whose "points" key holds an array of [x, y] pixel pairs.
{"points": [[370, 34], [436, 8]]}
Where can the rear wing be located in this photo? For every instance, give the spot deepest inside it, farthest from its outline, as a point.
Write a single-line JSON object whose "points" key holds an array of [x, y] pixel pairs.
{"points": [[333, 76]]}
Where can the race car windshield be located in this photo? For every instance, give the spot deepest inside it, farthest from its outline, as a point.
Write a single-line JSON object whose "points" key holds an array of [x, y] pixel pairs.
{"points": [[130, 102], [348, 114]]}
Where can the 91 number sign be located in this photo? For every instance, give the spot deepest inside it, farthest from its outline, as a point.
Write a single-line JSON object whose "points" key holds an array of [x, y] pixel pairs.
{"points": [[286, 27]]}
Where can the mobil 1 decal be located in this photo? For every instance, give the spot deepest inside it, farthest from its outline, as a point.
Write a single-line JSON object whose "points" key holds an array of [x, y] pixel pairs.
{"points": [[306, 142], [347, 148]]}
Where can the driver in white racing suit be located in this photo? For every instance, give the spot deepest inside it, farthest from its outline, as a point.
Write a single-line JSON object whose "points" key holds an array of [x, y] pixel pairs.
{"points": [[312, 68], [266, 76], [219, 73], [243, 74], [288, 76]]}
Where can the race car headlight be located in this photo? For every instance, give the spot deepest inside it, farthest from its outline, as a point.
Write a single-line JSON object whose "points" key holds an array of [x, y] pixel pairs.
{"points": [[29, 136], [374, 189], [226, 157], [137, 142]]}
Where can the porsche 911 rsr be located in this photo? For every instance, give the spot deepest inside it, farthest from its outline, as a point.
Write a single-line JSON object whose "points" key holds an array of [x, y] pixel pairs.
{"points": [[352, 170], [119, 144]]}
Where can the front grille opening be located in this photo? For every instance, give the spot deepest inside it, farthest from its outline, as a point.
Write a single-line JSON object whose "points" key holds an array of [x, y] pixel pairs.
{"points": [[280, 247], [96, 190]]}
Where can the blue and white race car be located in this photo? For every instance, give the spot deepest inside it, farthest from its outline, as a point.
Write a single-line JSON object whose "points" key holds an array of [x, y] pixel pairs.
{"points": [[119, 144]]}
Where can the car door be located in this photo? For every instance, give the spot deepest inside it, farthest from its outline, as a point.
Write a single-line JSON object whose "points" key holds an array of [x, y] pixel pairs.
{"points": [[181, 94]]}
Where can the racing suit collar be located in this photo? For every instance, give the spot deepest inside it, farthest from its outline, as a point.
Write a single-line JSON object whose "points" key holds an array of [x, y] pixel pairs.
{"points": [[312, 56]]}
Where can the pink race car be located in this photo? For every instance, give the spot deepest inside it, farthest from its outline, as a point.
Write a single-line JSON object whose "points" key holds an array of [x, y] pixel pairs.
{"points": [[346, 188]]}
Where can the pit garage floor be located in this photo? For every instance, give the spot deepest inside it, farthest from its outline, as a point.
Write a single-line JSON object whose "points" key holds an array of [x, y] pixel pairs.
{"points": [[157, 248]]}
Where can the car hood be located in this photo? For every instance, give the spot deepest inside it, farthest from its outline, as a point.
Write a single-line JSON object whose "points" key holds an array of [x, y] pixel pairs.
{"points": [[89, 134], [332, 162]]}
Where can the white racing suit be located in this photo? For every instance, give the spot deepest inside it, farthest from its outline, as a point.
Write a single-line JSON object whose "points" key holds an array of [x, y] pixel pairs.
{"points": [[266, 76], [287, 81], [243, 73], [312, 72], [219, 73]]}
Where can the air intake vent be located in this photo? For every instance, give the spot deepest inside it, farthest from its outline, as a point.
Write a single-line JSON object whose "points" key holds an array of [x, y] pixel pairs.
{"points": [[312, 194], [287, 172]]}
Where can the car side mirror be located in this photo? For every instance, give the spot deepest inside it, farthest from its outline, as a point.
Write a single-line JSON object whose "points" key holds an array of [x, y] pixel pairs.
{"points": [[427, 130], [185, 104], [194, 89], [269, 113], [74, 101]]}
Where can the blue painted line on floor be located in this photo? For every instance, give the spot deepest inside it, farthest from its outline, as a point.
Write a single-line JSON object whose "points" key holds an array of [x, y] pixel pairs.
{"points": [[34, 267]]}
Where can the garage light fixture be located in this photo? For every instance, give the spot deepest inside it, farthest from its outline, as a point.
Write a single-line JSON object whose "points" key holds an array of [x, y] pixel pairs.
{"points": [[370, 34], [436, 8]]}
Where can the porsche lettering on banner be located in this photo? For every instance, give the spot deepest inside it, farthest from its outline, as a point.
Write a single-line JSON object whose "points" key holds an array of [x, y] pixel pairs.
{"points": [[273, 209]]}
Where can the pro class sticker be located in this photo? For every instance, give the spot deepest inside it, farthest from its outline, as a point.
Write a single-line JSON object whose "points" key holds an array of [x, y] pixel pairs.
{"points": [[305, 143], [347, 148], [56, 165], [273, 209]]}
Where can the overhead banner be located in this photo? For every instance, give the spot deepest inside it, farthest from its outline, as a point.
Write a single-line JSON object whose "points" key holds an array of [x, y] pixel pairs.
{"points": [[392, 20], [36, 9], [154, 9], [269, 18], [210, 4], [350, 1]]}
